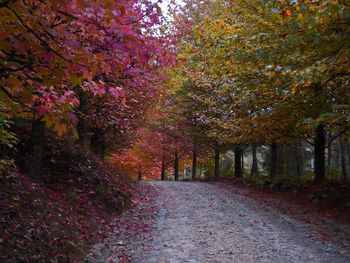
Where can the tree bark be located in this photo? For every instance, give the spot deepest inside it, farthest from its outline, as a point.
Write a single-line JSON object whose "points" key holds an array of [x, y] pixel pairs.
{"points": [[320, 145], [217, 160], [98, 142], [343, 159], [299, 160], [162, 174], [238, 162], [82, 132], [287, 152], [176, 166], [242, 161], [194, 161], [36, 151], [254, 170], [273, 161], [82, 127], [139, 176], [337, 156], [348, 150], [329, 157]]}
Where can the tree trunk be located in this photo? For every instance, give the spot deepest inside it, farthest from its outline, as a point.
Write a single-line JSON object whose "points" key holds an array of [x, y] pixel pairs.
{"points": [[287, 152], [82, 127], [273, 163], [98, 142], [337, 156], [176, 166], [242, 162], [139, 176], [254, 170], [36, 151], [329, 157], [238, 162], [194, 161], [82, 133], [217, 160], [299, 160], [320, 143], [343, 159], [348, 148], [162, 174]]}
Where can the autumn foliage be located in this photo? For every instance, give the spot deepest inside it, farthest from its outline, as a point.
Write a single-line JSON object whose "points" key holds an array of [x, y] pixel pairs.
{"points": [[76, 78], [62, 216], [93, 93]]}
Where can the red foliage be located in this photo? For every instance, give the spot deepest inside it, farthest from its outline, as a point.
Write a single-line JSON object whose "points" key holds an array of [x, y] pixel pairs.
{"points": [[56, 50], [150, 149], [61, 217]]}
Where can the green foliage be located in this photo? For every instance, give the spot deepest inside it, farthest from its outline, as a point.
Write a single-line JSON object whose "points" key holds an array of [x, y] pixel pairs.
{"points": [[4, 165], [227, 166], [333, 175], [330, 195], [260, 180], [307, 176], [7, 138], [208, 167], [282, 183], [290, 183], [286, 183]]}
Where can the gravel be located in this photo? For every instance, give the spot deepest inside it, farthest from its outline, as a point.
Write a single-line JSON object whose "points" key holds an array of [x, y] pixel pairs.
{"points": [[206, 222]]}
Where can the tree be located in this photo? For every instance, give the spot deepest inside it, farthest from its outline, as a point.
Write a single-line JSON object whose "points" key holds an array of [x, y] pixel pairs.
{"points": [[267, 71], [52, 53]]}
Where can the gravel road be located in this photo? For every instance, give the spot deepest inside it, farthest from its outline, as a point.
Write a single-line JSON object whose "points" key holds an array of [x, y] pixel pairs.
{"points": [[206, 222]]}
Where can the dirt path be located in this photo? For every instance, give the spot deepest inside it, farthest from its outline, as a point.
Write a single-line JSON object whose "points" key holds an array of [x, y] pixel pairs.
{"points": [[202, 222]]}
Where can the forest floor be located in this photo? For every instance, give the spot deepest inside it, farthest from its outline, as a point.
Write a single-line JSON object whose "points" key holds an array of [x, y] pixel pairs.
{"points": [[219, 222]]}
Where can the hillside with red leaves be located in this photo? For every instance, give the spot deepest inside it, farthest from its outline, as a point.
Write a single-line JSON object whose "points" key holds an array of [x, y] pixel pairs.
{"points": [[60, 217]]}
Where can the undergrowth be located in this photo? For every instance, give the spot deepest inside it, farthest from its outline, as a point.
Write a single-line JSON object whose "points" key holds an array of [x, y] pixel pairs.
{"points": [[58, 218]]}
